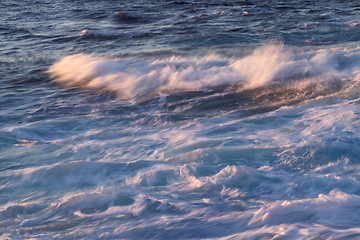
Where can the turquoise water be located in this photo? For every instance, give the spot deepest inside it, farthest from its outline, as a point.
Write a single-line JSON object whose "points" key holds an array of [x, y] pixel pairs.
{"points": [[179, 120]]}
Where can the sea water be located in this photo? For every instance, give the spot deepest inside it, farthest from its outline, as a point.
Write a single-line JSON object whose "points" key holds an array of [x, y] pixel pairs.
{"points": [[179, 119]]}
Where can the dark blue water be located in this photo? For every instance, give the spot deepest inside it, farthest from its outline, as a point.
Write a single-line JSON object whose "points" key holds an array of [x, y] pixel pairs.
{"points": [[179, 119]]}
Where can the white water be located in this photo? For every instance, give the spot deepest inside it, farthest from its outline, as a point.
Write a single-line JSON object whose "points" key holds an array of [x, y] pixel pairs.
{"points": [[290, 173], [227, 139]]}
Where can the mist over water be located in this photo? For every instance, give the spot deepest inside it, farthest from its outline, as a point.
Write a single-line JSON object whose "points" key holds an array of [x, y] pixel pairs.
{"points": [[179, 120]]}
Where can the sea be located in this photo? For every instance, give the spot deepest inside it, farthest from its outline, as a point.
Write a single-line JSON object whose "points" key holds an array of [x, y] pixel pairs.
{"points": [[179, 119]]}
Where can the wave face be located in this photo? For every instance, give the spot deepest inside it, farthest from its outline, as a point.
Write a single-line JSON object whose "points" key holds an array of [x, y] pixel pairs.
{"points": [[177, 119]]}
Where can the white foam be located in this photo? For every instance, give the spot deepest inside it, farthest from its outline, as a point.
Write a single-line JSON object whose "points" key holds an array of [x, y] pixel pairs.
{"points": [[334, 209], [270, 64]]}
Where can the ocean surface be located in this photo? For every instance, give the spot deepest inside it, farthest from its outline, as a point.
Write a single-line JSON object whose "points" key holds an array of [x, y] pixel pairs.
{"points": [[179, 119]]}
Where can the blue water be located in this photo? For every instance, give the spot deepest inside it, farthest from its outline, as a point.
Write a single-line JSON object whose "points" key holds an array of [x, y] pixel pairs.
{"points": [[179, 119]]}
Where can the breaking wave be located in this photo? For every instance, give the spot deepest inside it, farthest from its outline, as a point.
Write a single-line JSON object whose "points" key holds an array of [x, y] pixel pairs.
{"points": [[270, 65]]}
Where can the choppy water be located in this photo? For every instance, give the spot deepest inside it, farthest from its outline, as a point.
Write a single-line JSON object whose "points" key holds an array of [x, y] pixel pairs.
{"points": [[179, 119]]}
